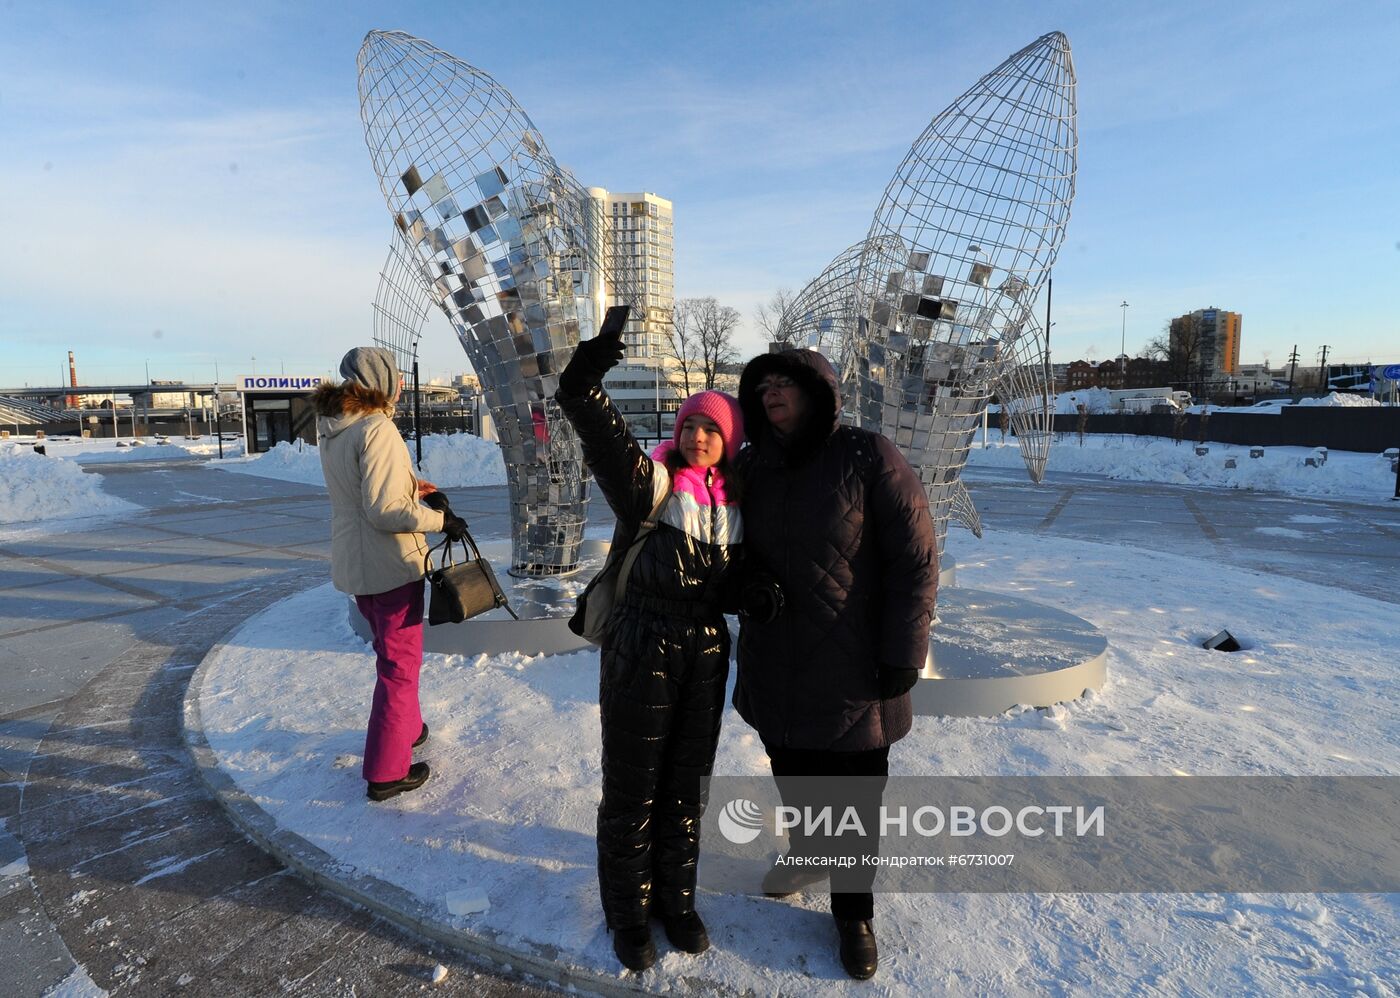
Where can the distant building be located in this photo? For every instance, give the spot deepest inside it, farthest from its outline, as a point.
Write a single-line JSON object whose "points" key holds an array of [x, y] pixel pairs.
{"points": [[642, 238], [1136, 372], [638, 393], [1205, 344], [1350, 378], [169, 400], [1255, 379], [1080, 374]]}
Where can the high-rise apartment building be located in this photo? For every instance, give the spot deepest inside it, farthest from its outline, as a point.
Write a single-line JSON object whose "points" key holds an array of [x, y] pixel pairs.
{"points": [[1206, 343], [643, 243]]}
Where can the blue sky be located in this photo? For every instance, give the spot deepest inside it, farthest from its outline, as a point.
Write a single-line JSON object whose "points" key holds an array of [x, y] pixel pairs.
{"points": [[187, 184]]}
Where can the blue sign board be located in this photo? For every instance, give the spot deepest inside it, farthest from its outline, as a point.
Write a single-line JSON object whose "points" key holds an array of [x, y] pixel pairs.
{"points": [[1391, 373]]}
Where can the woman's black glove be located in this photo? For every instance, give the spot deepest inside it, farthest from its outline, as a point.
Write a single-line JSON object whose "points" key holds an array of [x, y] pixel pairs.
{"points": [[895, 682], [592, 359], [761, 600], [454, 526], [437, 501]]}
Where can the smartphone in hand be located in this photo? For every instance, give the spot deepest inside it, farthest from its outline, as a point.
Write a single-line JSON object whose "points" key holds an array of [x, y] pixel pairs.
{"points": [[613, 321]]}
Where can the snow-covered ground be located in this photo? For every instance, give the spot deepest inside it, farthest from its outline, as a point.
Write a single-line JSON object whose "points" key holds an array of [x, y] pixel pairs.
{"points": [[456, 460], [1345, 474], [514, 748], [152, 448]]}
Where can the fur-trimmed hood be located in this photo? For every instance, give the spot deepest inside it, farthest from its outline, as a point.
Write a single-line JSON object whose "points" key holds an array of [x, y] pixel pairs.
{"points": [[341, 404]]}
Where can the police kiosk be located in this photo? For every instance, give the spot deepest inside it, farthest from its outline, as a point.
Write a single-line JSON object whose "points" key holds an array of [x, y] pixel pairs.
{"points": [[277, 409]]}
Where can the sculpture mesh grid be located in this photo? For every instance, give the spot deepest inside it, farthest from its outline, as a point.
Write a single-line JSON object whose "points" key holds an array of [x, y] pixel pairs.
{"points": [[823, 315], [959, 248], [401, 303], [509, 246], [1025, 390]]}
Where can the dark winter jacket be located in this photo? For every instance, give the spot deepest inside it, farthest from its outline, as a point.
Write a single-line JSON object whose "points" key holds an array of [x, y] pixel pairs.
{"points": [[840, 518], [686, 557], [663, 668]]}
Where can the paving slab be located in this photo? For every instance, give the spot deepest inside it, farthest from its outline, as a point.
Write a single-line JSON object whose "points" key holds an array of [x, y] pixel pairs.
{"points": [[37, 959], [18, 573], [136, 878], [64, 599]]}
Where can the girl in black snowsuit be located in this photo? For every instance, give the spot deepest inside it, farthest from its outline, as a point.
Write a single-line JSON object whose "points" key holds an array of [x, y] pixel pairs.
{"points": [[665, 653]]}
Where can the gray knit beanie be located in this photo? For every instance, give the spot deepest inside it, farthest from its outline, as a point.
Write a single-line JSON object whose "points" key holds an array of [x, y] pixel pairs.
{"points": [[372, 367]]}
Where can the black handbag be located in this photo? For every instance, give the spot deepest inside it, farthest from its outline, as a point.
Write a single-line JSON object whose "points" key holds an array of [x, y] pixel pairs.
{"points": [[460, 592]]}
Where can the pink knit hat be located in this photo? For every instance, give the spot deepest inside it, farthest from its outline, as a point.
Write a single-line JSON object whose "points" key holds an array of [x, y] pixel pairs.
{"points": [[724, 410]]}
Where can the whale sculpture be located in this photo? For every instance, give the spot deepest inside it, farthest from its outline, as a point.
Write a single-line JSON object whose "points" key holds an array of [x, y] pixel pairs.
{"points": [[952, 267], [508, 245]]}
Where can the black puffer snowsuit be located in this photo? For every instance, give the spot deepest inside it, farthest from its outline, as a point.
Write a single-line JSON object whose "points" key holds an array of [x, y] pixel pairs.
{"points": [[839, 517], [665, 665]]}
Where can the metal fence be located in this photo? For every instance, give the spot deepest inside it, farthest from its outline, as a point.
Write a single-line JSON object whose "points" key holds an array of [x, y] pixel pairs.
{"points": [[1369, 430]]}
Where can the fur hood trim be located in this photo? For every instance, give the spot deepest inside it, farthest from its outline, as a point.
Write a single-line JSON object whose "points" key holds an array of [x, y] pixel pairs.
{"points": [[348, 398]]}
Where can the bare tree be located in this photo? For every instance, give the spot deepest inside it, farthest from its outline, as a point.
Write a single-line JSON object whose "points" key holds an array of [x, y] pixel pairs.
{"points": [[770, 314], [682, 340], [1181, 344], [714, 329], [700, 338]]}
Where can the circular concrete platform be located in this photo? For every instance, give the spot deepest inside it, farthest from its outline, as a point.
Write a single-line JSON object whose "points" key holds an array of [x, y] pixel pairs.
{"points": [[988, 652]]}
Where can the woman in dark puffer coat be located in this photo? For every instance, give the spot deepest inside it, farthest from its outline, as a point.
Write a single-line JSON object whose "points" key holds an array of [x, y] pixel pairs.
{"points": [[665, 654], [840, 519]]}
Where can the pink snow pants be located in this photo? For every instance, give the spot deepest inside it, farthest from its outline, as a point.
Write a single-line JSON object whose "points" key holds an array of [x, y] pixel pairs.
{"points": [[396, 620]]}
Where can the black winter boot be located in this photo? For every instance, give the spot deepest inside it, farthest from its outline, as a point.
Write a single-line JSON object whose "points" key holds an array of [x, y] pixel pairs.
{"points": [[686, 932], [422, 735], [634, 947], [859, 954], [417, 776]]}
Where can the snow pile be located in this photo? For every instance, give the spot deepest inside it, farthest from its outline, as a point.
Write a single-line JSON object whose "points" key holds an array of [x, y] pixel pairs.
{"points": [[1157, 459], [295, 461], [36, 487], [457, 460], [1336, 399], [1094, 400], [1272, 407], [511, 806]]}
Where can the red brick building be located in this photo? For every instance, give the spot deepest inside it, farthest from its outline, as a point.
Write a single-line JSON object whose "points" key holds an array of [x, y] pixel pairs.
{"points": [[1139, 373]]}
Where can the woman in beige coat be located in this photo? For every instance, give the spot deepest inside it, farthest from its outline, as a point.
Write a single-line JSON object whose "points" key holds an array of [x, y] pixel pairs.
{"points": [[377, 552]]}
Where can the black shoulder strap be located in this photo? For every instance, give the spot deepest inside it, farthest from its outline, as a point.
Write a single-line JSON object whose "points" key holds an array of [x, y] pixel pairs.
{"points": [[647, 526]]}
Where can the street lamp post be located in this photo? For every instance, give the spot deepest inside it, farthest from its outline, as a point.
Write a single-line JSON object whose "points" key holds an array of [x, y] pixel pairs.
{"points": [[976, 248], [417, 418], [1123, 342], [218, 414]]}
